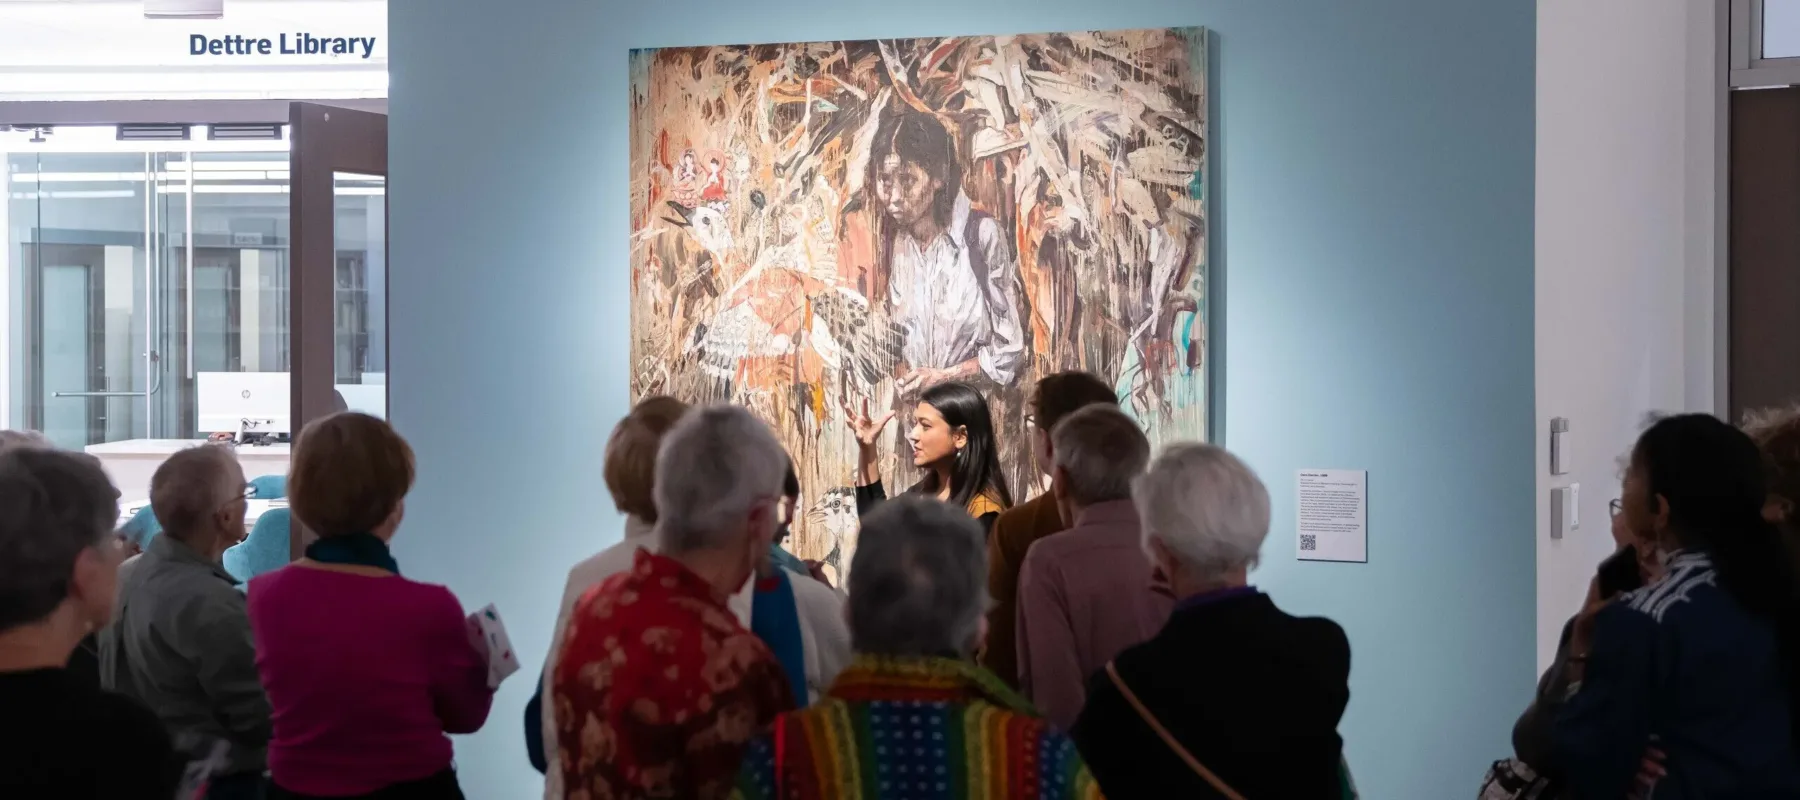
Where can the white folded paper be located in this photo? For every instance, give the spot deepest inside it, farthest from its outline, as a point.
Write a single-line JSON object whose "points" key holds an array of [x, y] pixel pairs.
{"points": [[494, 643]]}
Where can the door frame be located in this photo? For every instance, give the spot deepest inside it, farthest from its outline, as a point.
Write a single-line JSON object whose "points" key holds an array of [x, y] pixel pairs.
{"points": [[323, 140]]}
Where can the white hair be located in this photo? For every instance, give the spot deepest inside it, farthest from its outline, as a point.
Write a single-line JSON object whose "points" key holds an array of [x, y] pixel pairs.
{"points": [[712, 469], [1206, 506]]}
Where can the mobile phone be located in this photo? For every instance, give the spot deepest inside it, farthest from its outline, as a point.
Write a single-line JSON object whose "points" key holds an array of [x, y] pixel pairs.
{"points": [[1619, 573]]}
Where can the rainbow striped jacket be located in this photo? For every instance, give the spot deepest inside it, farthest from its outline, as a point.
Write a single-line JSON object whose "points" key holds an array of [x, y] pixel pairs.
{"points": [[914, 729]]}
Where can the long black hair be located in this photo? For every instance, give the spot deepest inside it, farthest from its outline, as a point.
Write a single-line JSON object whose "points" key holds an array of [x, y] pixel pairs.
{"points": [[977, 467], [1711, 475]]}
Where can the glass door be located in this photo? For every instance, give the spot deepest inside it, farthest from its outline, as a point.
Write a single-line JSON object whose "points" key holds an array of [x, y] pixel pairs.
{"points": [[339, 302], [83, 234]]}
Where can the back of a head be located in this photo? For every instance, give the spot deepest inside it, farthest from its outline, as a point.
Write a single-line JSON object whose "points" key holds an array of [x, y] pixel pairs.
{"points": [[192, 484], [1100, 451], [53, 506], [921, 580], [714, 467], [1064, 393], [630, 469], [350, 471], [11, 439], [1711, 475], [1205, 505]]}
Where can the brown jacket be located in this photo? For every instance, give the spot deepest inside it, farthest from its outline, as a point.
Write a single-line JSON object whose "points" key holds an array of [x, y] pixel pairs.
{"points": [[1013, 534]]}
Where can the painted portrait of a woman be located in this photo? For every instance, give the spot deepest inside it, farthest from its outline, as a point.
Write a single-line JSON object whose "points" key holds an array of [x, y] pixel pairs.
{"points": [[951, 281]]}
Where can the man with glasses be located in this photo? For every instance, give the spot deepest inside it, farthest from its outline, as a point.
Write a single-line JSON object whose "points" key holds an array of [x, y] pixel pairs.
{"points": [[180, 642]]}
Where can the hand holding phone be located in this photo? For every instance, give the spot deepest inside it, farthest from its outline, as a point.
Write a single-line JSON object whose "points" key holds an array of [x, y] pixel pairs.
{"points": [[1619, 573]]}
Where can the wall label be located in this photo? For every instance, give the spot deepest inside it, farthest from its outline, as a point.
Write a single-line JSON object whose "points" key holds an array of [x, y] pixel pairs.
{"points": [[1333, 509], [298, 44]]}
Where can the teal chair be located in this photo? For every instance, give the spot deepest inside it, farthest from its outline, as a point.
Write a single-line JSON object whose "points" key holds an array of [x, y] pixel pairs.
{"points": [[268, 487], [141, 528], [264, 550]]}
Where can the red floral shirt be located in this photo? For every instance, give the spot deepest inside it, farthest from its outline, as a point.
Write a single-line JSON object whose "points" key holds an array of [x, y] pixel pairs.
{"points": [[658, 688]]}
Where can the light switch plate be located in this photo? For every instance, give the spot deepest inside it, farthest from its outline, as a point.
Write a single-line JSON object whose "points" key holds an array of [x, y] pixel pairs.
{"points": [[1573, 506]]}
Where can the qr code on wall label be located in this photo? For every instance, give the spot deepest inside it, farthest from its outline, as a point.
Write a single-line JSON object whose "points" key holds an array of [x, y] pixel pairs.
{"points": [[1308, 542]]}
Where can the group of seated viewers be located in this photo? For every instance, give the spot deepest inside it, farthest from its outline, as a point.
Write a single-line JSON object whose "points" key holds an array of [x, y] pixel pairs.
{"points": [[1099, 639]]}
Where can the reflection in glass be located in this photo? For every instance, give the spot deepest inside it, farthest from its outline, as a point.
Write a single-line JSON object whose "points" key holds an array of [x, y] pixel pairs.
{"points": [[130, 273], [360, 326]]}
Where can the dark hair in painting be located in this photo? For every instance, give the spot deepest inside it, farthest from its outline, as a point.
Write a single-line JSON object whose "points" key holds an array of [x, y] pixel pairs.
{"points": [[920, 139], [977, 468]]}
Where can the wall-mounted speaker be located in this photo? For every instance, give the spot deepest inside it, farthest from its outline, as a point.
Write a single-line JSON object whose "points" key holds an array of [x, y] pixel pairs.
{"points": [[184, 9]]}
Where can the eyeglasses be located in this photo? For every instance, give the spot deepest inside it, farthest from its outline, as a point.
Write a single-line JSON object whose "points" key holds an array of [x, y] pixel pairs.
{"points": [[1616, 506]]}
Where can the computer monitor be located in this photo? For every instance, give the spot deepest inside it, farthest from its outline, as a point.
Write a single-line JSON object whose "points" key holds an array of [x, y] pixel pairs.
{"points": [[254, 402]]}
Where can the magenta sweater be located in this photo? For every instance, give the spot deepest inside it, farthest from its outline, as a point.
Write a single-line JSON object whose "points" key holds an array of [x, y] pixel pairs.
{"points": [[365, 676]]}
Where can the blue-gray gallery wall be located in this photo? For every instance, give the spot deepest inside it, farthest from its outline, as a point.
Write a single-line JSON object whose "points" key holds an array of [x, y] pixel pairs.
{"points": [[1374, 166]]}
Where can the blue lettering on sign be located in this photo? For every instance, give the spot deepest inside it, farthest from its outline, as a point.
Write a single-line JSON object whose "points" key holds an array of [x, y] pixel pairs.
{"points": [[296, 44]]}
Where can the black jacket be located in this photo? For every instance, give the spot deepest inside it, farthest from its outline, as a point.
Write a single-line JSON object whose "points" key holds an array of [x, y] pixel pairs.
{"points": [[1253, 693]]}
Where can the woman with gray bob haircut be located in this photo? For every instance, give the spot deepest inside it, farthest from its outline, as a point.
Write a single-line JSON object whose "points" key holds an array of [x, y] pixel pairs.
{"points": [[1231, 682], [58, 578], [921, 581], [918, 608]]}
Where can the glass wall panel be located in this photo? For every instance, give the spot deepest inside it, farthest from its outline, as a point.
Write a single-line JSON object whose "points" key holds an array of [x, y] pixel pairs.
{"points": [[77, 305], [132, 268], [360, 328], [1781, 29]]}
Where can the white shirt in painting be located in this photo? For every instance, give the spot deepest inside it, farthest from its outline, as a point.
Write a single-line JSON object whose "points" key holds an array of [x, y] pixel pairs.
{"points": [[950, 314]]}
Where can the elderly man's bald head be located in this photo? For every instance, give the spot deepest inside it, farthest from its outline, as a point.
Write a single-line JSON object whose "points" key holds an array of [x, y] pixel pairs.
{"points": [[192, 486]]}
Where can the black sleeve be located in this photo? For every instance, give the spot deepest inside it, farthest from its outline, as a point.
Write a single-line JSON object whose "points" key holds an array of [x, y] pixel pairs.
{"points": [[534, 729], [868, 497], [1532, 733], [1099, 734]]}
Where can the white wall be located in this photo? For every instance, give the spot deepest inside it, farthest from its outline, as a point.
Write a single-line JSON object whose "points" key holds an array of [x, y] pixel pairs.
{"points": [[1629, 105]]}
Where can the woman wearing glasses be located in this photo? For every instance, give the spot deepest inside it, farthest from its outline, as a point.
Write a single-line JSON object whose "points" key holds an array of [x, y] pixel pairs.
{"points": [[1534, 761]]}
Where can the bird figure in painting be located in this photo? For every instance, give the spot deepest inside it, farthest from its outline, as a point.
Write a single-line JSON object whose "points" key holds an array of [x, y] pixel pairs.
{"points": [[863, 345]]}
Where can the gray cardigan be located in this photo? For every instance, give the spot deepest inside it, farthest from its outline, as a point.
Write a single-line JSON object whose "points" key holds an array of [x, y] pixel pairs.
{"points": [[180, 643]]}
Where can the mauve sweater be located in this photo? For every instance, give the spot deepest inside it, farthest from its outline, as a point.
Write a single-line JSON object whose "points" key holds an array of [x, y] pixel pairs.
{"points": [[365, 676]]}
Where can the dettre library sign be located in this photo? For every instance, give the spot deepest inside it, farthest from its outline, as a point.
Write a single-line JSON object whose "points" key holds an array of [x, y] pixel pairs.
{"points": [[301, 44]]}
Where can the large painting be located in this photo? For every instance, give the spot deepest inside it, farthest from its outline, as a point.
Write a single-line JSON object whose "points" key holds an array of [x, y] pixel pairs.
{"points": [[820, 225]]}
